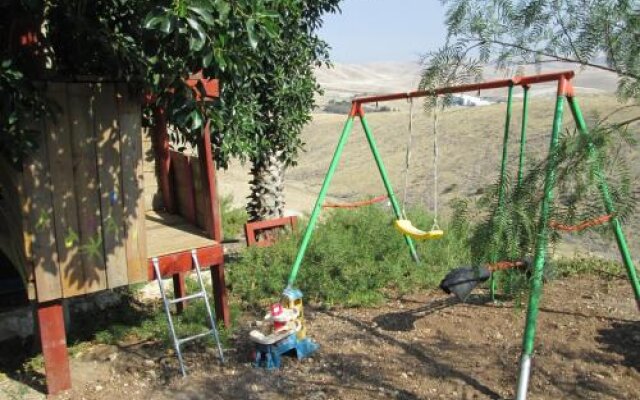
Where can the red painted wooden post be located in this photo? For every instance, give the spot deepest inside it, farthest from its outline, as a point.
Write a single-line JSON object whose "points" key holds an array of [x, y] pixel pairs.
{"points": [[209, 177], [215, 224], [179, 290], [54, 346], [161, 150], [191, 190], [252, 228], [220, 294]]}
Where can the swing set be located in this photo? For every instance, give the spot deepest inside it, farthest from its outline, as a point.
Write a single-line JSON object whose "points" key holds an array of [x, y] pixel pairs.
{"points": [[404, 226]]}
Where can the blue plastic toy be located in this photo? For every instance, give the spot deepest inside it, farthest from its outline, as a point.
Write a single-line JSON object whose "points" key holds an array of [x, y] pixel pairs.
{"points": [[288, 332]]}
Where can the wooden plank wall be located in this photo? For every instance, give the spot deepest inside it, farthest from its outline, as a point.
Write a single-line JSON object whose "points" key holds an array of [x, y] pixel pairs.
{"points": [[82, 193], [182, 185], [188, 186]]}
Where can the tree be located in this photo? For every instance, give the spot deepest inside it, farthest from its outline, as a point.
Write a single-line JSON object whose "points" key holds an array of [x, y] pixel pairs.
{"points": [[281, 85], [595, 33], [263, 53]]}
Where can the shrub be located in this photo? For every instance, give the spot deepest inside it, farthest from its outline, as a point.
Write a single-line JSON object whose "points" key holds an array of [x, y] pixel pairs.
{"points": [[355, 257], [233, 218]]}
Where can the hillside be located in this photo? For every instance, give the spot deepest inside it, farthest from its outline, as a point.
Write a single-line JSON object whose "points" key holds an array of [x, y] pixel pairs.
{"points": [[469, 140]]}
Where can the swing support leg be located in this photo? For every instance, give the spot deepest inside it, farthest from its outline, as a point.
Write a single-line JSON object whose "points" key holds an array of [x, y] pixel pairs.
{"points": [[385, 180], [606, 198], [541, 249], [346, 131], [503, 178]]}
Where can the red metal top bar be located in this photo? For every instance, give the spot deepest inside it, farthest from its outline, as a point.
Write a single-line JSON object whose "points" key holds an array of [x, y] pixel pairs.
{"points": [[517, 81]]}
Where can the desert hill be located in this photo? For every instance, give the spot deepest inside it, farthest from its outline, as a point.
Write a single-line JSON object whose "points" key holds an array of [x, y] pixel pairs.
{"points": [[469, 141]]}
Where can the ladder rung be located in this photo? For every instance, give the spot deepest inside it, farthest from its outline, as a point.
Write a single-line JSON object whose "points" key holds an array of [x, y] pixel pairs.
{"points": [[194, 337], [186, 298]]}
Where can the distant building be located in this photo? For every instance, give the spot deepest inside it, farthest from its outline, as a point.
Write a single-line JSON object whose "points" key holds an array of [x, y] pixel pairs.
{"points": [[469, 101]]}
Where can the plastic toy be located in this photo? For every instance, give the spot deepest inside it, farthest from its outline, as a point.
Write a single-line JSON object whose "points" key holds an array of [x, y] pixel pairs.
{"points": [[287, 334]]}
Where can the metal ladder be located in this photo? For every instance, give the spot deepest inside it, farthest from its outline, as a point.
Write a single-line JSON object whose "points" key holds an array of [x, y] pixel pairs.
{"points": [[177, 342]]}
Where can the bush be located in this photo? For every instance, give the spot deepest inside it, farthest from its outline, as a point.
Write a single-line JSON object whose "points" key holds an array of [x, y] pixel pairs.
{"points": [[233, 218], [355, 257]]}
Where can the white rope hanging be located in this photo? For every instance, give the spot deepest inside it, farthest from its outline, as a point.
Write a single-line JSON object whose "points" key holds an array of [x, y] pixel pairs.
{"points": [[407, 159], [435, 167]]}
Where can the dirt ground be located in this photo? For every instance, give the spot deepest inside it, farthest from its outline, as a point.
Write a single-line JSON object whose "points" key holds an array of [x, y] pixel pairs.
{"points": [[425, 346]]}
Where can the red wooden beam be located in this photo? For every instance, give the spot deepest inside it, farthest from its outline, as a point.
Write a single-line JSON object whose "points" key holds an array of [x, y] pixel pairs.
{"points": [[184, 189], [211, 86], [211, 257], [54, 346], [220, 297], [161, 150], [209, 183], [174, 263], [472, 87], [252, 228]]}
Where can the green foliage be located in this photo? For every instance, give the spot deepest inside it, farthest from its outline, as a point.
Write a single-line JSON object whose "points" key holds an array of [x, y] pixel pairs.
{"points": [[20, 101], [233, 218], [263, 52], [569, 267], [596, 33], [510, 231], [356, 257], [139, 322]]}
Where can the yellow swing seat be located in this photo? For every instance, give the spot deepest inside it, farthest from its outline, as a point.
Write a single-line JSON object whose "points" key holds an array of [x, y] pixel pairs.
{"points": [[405, 227]]}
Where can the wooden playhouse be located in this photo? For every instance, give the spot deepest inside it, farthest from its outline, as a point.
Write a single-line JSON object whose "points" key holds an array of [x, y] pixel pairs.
{"points": [[98, 200]]}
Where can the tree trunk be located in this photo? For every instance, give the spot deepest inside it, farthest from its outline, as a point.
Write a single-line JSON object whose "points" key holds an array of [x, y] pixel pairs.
{"points": [[266, 200]]}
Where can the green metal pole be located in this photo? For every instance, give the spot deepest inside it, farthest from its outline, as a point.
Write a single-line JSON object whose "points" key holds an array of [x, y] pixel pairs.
{"points": [[541, 249], [503, 178], [346, 131], [387, 183], [608, 201], [523, 133]]}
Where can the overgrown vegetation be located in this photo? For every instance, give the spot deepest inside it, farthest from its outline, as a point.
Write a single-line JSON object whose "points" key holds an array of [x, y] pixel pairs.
{"points": [[509, 231], [356, 257], [233, 218], [135, 321], [508, 34]]}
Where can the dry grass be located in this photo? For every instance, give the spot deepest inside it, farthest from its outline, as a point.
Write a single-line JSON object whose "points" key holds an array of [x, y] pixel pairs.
{"points": [[470, 141]]}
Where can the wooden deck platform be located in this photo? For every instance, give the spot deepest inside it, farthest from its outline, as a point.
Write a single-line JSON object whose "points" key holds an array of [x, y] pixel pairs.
{"points": [[171, 233]]}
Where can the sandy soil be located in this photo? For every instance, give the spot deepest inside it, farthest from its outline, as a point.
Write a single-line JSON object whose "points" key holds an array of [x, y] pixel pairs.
{"points": [[425, 346]]}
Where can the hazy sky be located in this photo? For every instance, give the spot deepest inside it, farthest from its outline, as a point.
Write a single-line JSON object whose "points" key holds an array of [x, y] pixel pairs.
{"points": [[384, 30]]}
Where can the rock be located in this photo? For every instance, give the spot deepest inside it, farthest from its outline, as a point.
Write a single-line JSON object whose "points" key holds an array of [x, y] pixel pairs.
{"points": [[404, 375], [149, 362], [151, 373], [98, 388], [254, 387], [112, 357]]}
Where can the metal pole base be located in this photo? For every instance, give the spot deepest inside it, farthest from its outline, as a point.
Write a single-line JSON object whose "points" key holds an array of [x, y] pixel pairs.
{"points": [[523, 379]]}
